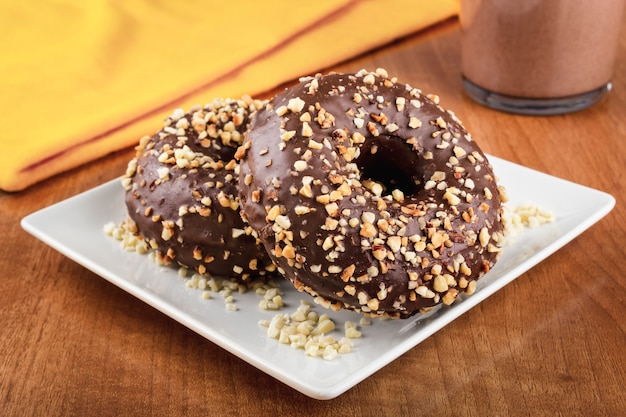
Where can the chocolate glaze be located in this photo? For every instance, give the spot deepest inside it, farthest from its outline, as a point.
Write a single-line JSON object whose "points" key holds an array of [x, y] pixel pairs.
{"points": [[392, 254], [181, 191]]}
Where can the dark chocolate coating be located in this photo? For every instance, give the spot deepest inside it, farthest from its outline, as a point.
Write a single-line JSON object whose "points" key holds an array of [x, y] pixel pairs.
{"points": [[320, 164], [181, 191]]}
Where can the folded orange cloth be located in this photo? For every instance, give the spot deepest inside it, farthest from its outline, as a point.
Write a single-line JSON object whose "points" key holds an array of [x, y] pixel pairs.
{"points": [[81, 79]]}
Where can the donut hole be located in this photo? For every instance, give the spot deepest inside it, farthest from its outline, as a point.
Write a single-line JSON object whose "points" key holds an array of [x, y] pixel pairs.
{"points": [[389, 162], [218, 151]]}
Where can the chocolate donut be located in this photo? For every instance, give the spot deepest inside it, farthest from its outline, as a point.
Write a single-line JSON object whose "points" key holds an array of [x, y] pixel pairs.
{"points": [[182, 194], [370, 196]]}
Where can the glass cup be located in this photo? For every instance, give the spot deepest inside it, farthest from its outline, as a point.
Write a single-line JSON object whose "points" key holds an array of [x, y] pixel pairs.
{"points": [[539, 57]]}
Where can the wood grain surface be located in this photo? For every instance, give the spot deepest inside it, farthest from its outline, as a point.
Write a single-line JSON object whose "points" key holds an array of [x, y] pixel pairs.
{"points": [[552, 343]]}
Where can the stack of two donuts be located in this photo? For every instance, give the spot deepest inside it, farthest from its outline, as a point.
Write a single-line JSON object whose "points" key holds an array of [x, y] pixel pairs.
{"points": [[360, 190]]}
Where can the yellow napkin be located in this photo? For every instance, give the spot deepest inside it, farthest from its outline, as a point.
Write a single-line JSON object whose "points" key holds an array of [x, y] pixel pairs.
{"points": [[80, 79]]}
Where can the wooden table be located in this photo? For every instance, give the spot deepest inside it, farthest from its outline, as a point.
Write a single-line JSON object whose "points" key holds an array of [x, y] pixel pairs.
{"points": [[551, 343]]}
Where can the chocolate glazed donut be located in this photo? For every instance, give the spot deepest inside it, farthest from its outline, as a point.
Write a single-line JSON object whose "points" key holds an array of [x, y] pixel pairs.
{"points": [[181, 192], [370, 196]]}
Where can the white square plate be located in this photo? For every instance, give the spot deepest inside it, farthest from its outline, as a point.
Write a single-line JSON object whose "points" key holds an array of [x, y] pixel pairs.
{"points": [[74, 227]]}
